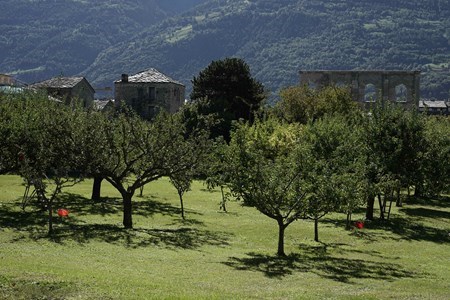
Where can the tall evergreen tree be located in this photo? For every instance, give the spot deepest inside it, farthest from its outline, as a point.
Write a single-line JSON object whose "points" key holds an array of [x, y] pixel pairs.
{"points": [[230, 91]]}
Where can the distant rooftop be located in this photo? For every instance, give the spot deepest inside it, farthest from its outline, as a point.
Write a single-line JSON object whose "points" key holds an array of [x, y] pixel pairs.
{"points": [[148, 76], [59, 82], [8, 80], [432, 104], [362, 71], [11, 89], [101, 104]]}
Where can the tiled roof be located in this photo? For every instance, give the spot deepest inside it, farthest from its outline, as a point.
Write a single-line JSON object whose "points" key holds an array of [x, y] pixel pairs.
{"points": [[101, 104], [150, 76], [11, 89], [59, 82], [433, 104]]}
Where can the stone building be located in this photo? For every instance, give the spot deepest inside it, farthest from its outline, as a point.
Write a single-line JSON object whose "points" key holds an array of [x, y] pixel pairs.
{"points": [[6, 80], [369, 87], [10, 85], [148, 92], [68, 89]]}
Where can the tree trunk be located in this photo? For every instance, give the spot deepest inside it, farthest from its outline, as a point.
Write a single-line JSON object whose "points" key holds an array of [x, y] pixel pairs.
{"points": [[418, 191], [381, 206], [182, 206], [127, 210], [370, 204], [316, 230], [399, 202], [25, 197], [141, 191], [50, 217], [96, 188], [223, 205], [349, 220], [281, 228]]}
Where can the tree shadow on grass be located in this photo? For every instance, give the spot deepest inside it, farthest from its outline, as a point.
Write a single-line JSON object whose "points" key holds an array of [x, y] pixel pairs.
{"points": [[12, 216], [21, 220], [82, 206], [150, 206], [33, 224], [437, 201], [171, 238], [318, 260], [426, 213], [402, 228], [405, 229], [146, 206]]}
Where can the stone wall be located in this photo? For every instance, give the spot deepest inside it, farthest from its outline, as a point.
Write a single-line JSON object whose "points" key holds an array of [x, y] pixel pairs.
{"points": [[369, 87], [6, 80], [149, 98], [83, 92]]}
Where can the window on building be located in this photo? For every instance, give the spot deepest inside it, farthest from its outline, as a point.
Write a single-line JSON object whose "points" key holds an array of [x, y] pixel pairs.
{"points": [[153, 110], [401, 93], [312, 85], [152, 93], [341, 84], [140, 93], [370, 93], [176, 94]]}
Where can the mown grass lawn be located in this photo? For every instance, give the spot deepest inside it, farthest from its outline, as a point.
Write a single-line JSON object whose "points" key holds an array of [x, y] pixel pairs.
{"points": [[215, 255]]}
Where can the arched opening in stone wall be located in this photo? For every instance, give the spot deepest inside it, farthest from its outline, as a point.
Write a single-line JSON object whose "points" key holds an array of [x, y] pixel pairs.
{"points": [[401, 92], [341, 84], [312, 84], [370, 93]]}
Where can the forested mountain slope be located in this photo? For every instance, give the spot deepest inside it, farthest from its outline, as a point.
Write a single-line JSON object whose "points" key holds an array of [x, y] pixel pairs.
{"points": [[102, 39], [278, 38], [44, 38]]}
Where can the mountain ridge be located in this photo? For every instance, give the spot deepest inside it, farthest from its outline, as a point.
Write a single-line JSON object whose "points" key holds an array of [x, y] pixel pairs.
{"points": [[46, 38], [276, 38]]}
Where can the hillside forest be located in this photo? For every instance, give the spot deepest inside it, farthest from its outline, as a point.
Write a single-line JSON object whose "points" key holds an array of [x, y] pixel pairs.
{"points": [[103, 39]]}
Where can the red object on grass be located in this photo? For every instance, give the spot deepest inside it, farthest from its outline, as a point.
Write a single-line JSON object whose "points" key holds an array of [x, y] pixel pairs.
{"points": [[63, 213], [359, 224]]}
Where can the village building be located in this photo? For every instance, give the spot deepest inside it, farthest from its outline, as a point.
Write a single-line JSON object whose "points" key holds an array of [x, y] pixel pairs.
{"points": [[149, 92], [434, 107], [68, 89], [10, 85], [6, 80]]}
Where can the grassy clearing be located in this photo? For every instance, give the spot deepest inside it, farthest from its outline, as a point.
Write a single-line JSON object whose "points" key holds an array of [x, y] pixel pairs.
{"points": [[214, 255]]}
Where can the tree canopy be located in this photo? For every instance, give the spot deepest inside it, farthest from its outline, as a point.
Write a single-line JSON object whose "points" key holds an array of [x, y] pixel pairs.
{"points": [[230, 91], [335, 172], [395, 145], [44, 145], [267, 171], [286, 170], [303, 104], [435, 164], [129, 152]]}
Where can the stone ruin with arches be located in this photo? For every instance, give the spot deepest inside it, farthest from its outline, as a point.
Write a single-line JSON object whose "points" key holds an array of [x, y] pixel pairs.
{"points": [[370, 87]]}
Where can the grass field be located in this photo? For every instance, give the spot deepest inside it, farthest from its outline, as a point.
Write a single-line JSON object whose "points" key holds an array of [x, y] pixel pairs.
{"points": [[215, 255]]}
